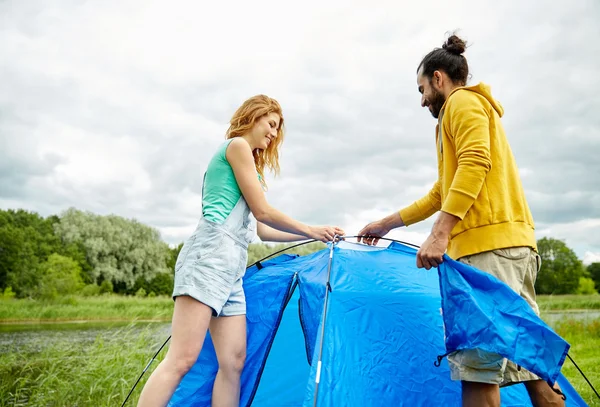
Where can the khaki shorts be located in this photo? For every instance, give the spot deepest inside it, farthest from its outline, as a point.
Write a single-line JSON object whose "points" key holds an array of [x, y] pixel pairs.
{"points": [[518, 268]]}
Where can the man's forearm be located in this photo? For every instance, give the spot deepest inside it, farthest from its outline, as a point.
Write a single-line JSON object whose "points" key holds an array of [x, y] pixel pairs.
{"points": [[393, 221], [444, 224]]}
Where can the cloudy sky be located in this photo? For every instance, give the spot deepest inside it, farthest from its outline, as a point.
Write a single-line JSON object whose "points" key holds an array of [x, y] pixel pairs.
{"points": [[116, 106]]}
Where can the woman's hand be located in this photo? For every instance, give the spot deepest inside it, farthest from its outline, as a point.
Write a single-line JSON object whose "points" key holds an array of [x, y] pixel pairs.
{"points": [[325, 233]]}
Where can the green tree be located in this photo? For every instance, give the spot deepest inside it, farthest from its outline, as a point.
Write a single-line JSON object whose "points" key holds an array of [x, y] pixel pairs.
{"points": [[594, 272], [586, 286], [26, 240], [18, 261], [174, 252], [258, 251], [119, 250], [560, 270], [59, 275]]}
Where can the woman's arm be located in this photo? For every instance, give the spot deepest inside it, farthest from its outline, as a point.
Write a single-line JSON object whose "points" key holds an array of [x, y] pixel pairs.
{"points": [[239, 156], [268, 234]]}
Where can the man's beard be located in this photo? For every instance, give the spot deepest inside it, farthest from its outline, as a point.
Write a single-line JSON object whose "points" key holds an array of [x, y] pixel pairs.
{"points": [[436, 103]]}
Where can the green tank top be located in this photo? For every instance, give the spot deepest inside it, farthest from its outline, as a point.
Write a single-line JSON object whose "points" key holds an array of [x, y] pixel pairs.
{"points": [[221, 191]]}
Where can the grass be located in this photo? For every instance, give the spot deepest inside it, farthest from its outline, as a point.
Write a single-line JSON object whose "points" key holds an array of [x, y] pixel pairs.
{"points": [[585, 351], [115, 307], [105, 308], [101, 369], [568, 302], [100, 373]]}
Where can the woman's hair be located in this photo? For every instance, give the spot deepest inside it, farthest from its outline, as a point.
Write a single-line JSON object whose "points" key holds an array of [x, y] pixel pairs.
{"points": [[244, 119], [449, 59]]}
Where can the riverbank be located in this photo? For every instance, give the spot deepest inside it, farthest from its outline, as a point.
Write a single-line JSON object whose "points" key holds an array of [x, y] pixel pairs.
{"points": [[128, 308], [568, 302], [101, 308], [97, 366]]}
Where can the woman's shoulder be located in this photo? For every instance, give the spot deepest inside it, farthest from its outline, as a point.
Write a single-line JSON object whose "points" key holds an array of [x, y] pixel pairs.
{"points": [[237, 148]]}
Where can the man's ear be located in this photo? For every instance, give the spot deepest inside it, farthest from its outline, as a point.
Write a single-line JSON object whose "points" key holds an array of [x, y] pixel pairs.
{"points": [[437, 79]]}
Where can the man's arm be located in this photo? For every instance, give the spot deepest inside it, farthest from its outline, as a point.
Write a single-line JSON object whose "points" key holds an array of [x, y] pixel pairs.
{"points": [[419, 210], [470, 128], [471, 133], [424, 207], [431, 252]]}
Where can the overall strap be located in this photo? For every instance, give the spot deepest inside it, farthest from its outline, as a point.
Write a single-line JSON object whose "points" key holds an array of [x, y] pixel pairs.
{"points": [[203, 183]]}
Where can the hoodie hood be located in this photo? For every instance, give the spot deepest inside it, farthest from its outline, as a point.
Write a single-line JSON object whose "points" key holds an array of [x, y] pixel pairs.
{"points": [[485, 91]]}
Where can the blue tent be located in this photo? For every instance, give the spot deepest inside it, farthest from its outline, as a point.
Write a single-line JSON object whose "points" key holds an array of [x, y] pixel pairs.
{"points": [[354, 325]]}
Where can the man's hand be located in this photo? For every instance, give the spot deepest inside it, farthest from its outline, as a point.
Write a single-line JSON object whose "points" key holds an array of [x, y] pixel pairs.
{"points": [[373, 232], [432, 250], [378, 229]]}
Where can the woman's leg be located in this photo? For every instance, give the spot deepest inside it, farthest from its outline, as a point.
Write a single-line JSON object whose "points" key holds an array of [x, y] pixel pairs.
{"points": [[191, 319], [229, 338]]}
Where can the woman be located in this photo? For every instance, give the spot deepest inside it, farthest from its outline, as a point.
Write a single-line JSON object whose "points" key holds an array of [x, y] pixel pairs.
{"points": [[208, 289]]}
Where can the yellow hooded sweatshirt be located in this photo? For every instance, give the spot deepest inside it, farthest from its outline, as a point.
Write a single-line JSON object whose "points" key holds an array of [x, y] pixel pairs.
{"points": [[478, 179]]}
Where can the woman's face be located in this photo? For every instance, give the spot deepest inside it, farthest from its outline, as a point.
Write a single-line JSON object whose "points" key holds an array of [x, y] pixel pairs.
{"points": [[265, 129]]}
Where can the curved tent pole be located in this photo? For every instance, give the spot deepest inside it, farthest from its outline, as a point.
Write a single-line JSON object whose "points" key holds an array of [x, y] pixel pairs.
{"points": [[280, 251]]}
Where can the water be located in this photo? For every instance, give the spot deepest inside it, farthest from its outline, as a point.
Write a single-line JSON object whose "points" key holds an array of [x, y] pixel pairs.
{"points": [[33, 338], [553, 317]]}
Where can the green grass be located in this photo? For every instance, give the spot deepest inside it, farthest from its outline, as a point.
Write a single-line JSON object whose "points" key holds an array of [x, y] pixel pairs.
{"points": [[105, 308], [100, 373], [584, 339], [115, 307], [568, 302]]}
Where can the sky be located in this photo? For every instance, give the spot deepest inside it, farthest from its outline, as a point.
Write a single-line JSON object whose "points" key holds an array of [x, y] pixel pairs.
{"points": [[115, 107]]}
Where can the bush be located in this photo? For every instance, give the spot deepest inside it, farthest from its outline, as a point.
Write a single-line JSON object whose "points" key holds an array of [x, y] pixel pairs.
{"points": [[106, 287], [8, 294], [90, 290], [586, 286], [140, 293], [59, 275]]}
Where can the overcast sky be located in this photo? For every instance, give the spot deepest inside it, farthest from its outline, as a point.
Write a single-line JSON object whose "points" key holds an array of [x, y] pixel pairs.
{"points": [[116, 106]]}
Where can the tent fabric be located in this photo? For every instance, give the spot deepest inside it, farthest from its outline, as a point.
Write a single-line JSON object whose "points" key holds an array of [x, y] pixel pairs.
{"points": [[503, 323], [383, 331]]}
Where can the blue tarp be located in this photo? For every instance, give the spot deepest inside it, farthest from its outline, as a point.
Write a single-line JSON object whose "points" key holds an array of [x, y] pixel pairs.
{"points": [[383, 332], [503, 323]]}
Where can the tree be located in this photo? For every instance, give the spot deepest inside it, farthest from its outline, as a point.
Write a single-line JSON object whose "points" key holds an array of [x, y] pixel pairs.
{"points": [[59, 275], [560, 270], [174, 252], [18, 261], [258, 251], [26, 240], [119, 250], [594, 272], [586, 286]]}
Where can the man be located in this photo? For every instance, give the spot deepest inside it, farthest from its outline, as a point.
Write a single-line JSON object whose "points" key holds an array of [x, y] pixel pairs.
{"points": [[484, 217]]}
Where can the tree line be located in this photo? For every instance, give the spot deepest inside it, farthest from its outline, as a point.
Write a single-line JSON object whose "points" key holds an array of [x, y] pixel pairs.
{"points": [[80, 252], [87, 254]]}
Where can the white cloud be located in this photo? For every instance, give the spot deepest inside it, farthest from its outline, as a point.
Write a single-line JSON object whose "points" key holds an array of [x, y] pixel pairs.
{"points": [[589, 258], [116, 108]]}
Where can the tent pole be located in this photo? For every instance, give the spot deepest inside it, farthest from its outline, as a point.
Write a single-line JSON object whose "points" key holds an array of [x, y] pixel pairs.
{"points": [[327, 290]]}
